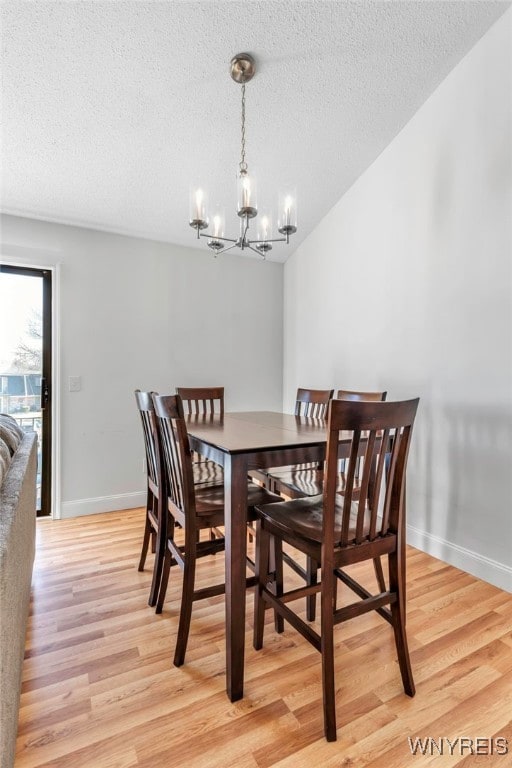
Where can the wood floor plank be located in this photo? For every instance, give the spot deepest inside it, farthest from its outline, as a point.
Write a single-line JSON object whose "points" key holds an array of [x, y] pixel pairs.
{"points": [[100, 689]]}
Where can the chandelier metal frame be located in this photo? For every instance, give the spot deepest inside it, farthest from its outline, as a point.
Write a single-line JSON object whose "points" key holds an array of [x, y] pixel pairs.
{"points": [[242, 70]]}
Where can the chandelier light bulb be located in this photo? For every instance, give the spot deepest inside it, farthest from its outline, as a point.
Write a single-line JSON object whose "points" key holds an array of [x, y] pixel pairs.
{"points": [[247, 206], [216, 239], [287, 208], [246, 191], [287, 221], [264, 227], [217, 226], [264, 244], [198, 217], [199, 202]]}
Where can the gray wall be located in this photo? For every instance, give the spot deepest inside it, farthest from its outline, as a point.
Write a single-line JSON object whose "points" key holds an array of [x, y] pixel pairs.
{"points": [[406, 286], [138, 313]]}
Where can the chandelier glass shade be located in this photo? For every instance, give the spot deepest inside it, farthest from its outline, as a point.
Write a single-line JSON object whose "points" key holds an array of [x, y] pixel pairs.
{"points": [[200, 218]]}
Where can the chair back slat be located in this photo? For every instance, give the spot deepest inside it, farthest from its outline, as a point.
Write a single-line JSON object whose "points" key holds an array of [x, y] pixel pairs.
{"points": [[313, 403], [379, 462], [396, 479], [371, 426], [390, 473], [349, 486], [144, 402], [358, 396], [175, 451], [202, 401], [368, 466]]}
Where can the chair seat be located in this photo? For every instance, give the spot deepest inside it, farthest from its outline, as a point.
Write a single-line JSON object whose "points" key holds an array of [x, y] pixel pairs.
{"points": [[207, 473], [211, 499], [275, 471], [306, 482], [260, 475], [303, 518], [300, 481]]}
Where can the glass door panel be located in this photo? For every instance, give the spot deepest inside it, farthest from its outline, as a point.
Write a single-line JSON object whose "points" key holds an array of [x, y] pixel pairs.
{"points": [[25, 361]]}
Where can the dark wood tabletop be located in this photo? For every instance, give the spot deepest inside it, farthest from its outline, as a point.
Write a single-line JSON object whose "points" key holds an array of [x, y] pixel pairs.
{"points": [[264, 436], [240, 442]]}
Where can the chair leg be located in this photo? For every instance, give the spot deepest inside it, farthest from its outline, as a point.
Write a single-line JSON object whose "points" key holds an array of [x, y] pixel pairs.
{"points": [[327, 649], [157, 548], [187, 597], [164, 580], [396, 584], [312, 572], [276, 547], [145, 543], [275, 575], [261, 570], [379, 573], [157, 577]]}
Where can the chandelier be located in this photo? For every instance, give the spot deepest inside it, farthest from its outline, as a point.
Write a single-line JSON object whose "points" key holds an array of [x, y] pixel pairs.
{"points": [[242, 70]]}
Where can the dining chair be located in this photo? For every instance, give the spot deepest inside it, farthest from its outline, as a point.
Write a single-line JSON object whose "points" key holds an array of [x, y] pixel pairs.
{"points": [[337, 531], [204, 402], [205, 474], [307, 480], [145, 405], [195, 508], [312, 403], [309, 403]]}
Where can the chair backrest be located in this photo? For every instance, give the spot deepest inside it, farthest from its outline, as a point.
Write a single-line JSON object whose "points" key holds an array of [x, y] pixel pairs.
{"points": [[202, 400], [147, 414], [368, 397], [174, 456], [313, 402], [357, 396], [381, 433]]}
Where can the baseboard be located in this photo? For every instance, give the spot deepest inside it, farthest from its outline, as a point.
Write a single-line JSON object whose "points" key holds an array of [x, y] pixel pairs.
{"points": [[492, 571], [102, 504]]}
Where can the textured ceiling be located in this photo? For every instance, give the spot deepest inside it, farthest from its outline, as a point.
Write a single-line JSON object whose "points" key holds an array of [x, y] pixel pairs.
{"points": [[112, 108]]}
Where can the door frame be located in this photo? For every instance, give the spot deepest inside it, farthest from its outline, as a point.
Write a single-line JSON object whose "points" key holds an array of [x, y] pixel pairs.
{"points": [[20, 265]]}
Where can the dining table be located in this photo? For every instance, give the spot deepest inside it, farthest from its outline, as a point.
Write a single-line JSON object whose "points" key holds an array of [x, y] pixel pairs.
{"points": [[241, 442]]}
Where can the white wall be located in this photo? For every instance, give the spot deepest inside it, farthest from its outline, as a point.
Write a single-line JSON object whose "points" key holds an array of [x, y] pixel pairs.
{"points": [[137, 313], [406, 286]]}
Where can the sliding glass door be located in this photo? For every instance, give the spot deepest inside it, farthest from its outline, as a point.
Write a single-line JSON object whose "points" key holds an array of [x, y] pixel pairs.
{"points": [[26, 361]]}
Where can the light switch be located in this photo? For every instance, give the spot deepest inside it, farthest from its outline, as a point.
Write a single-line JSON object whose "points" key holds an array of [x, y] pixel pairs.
{"points": [[75, 383]]}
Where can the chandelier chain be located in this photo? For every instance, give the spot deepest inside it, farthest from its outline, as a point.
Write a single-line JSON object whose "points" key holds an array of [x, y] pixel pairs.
{"points": [[243, 164]]}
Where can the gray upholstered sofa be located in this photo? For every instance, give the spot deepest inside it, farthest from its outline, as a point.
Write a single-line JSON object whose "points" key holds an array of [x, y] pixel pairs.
{"points": [[18, 469]]}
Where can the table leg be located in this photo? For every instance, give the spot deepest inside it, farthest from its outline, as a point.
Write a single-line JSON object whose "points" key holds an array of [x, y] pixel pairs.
{"points": [[235, 488]]}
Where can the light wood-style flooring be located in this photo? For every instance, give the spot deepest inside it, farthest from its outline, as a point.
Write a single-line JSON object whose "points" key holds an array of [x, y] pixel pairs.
{"points": [[100, 691]]}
